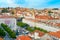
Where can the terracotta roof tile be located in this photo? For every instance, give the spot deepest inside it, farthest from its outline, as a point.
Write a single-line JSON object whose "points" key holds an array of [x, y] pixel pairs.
{"points": [[45, 17], [57, 24], [1, 38], [40, 33], [56, 34], [23, 38]]}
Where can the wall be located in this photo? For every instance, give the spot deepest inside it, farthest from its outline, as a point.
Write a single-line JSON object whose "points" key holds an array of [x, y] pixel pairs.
{"points": [[11, 22]]}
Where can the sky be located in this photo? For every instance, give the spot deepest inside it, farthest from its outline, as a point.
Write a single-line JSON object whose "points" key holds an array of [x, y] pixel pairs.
{"points": [[37, 4]]}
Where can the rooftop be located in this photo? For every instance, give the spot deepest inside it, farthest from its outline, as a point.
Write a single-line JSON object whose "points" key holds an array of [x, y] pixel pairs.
{"points": [[1, 38], [40, 33], [45, 17], [55, 34], [3, 16], [23, 38], [57, 24]]}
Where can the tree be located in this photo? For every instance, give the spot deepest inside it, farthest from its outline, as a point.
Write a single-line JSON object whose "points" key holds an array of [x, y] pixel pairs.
{"points": [[12, 12], [55, 9], [29, 29], [49, 12], [22, 24], [8, 30], [5, 10], [2, 33]]}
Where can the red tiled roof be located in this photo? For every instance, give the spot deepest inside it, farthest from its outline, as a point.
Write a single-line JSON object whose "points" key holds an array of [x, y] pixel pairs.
{"points": [[56, 34], [23, 38], [40, 33], [57, 24], [19, 12], [1, 38], [45, 17]]}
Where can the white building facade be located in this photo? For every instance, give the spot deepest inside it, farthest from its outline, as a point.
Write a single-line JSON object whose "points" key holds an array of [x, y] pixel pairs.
{"points": [[11, 22]]}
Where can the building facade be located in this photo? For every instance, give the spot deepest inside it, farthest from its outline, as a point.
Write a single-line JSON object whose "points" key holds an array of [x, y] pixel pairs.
{"points": [[11, 22]]}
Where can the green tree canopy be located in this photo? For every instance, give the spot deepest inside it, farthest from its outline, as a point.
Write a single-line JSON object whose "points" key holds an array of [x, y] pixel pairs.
{"points": [[2, 33], [5, 10]]}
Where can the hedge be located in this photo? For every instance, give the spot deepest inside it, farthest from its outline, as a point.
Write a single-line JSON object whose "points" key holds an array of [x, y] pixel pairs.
{"points": [[31, 29], [8, 30], [2, 33]]}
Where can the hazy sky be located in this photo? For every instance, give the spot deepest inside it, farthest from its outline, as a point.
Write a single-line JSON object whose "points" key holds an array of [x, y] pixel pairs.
{"points": [[31, 3]]}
